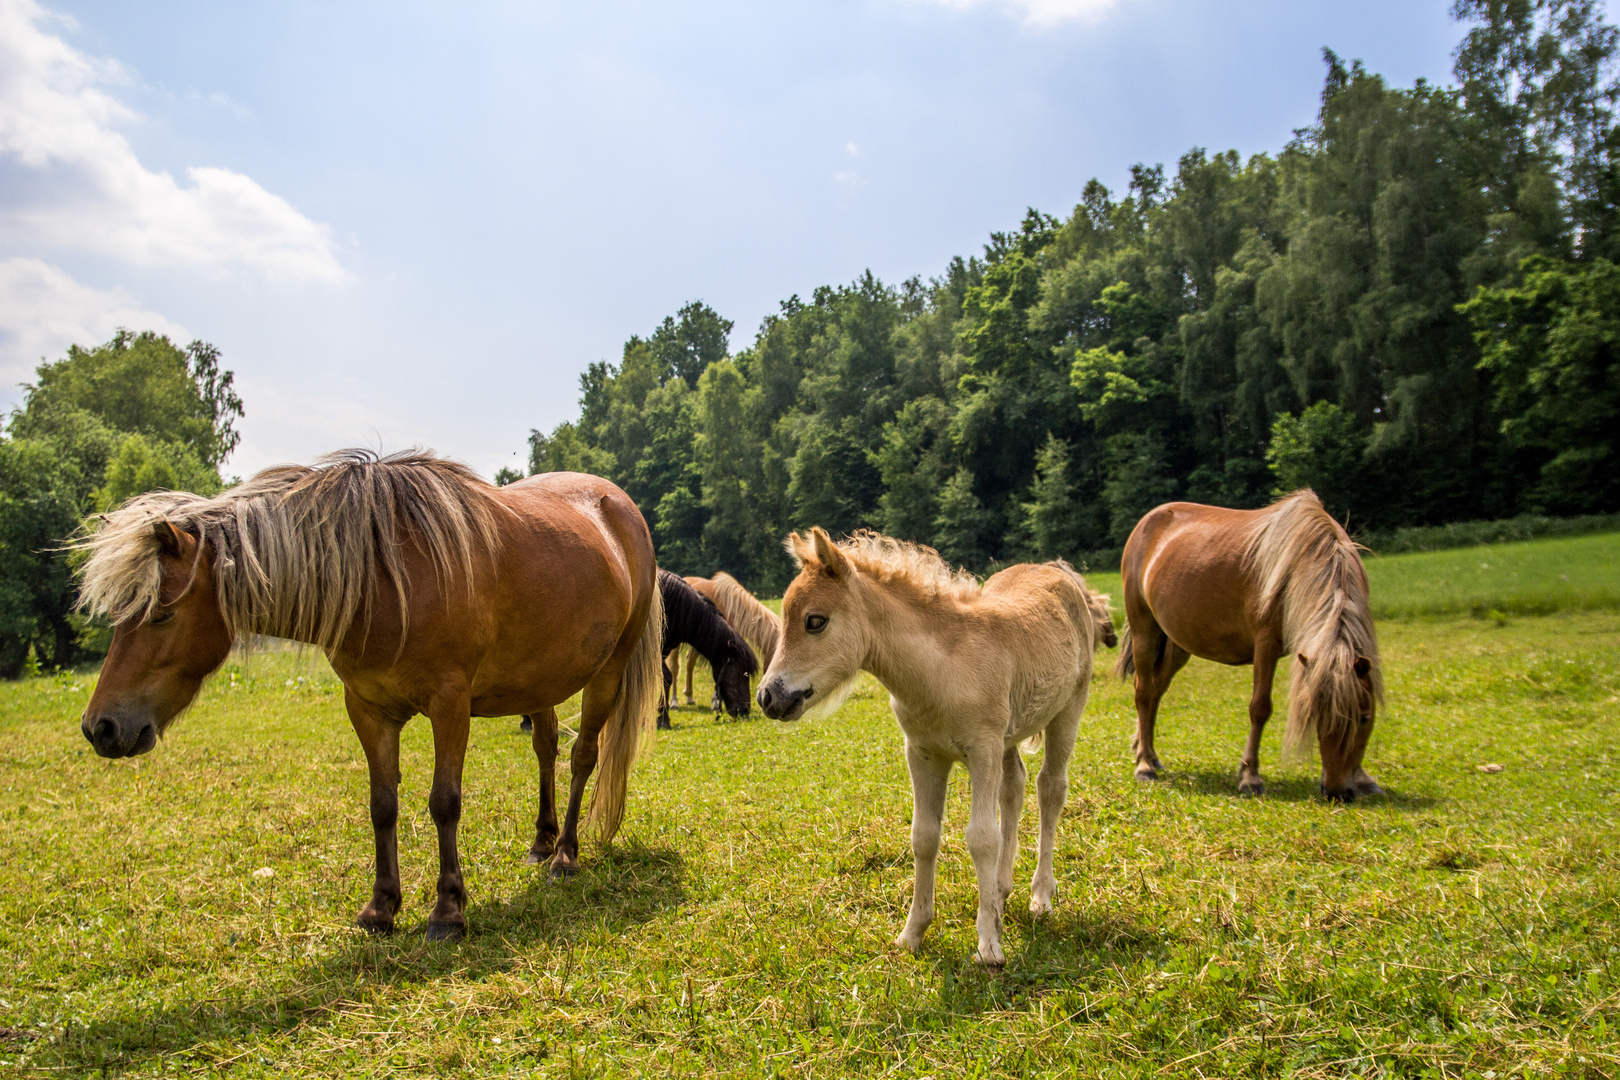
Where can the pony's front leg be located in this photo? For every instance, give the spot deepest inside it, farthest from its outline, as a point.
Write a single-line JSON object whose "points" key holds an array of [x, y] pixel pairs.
{"points": [[379, 738], [930, 778], [1267, 647], [984, 844], [1014, 778], [1360, 779], [545, 751], [691, 664], [451, 721]]}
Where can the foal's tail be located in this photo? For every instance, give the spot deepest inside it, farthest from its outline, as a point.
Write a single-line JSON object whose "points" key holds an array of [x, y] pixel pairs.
{"points": [[635, 712]]}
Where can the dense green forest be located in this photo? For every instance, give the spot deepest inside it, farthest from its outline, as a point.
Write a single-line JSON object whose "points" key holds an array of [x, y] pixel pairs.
{"points": [[1412, 307], [98, 426]]}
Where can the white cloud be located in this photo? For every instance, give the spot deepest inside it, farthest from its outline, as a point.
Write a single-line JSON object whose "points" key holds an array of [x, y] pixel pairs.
{"points": [[77, 183], [1040, 13], [43, 311]]}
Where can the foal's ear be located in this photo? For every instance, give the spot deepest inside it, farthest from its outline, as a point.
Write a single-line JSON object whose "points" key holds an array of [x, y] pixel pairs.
{"points": [[168, 538], [1362, 667], [832, 560]]}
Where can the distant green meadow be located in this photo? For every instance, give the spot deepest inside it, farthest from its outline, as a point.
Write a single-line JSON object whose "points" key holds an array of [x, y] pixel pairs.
{"points": [[191, 911]]}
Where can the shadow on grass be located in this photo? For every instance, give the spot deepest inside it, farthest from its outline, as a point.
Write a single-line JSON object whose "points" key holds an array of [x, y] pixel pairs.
{"points": [[1290, 789], [628, 886]]}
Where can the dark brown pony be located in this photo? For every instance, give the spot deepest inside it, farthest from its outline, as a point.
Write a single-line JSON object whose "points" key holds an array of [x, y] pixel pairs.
{"points": [[759, 625], [429, 591], [1248, 587]]}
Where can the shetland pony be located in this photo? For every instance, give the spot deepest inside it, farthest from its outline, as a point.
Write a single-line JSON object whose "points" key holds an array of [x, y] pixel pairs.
{"points": [[759, 625], [972, 671], [430, 591], [1248, 587], [689, 619]]}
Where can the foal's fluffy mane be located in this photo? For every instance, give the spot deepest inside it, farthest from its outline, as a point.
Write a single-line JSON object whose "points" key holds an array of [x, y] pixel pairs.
{"points": [[1306, 564], [299, 550], [895, 562]]}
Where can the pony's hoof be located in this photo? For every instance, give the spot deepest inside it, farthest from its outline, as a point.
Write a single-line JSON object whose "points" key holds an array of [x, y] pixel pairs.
{"points": [[563, 867], [374, 926], [1339, 795], [1252, 788], [445, 931], [1365, 784], [1147, 772], [539, 855], [691, 700], [525, 724]]}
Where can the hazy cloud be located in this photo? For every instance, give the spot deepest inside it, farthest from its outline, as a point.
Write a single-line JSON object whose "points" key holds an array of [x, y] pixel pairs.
{"points": [[1039, 13], [43, 311], [76, 183]]}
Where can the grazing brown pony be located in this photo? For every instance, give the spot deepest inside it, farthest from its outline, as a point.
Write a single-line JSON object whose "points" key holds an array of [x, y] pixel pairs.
{"points": [[429, 591], [759, 625], [1248, 587]]}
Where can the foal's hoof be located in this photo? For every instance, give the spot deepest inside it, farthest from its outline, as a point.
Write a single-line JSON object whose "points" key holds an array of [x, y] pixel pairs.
{"points": [[445, 931], [994, 961]]}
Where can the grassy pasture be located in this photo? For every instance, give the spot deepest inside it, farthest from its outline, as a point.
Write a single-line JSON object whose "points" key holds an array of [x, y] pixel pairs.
{"points": [[189, 911]]}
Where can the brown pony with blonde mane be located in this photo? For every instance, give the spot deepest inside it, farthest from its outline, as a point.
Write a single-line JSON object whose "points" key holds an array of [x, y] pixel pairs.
{"points": [[430, 592], [973, 672], [759, 625], [1249, 587]]}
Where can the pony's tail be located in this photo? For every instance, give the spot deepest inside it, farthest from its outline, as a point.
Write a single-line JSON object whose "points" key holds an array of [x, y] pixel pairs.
{"points": [[635, 712], [1125, 666]]}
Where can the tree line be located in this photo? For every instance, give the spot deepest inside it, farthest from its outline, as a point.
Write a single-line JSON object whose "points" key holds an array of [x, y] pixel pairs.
{"points": [[1413, 307]]}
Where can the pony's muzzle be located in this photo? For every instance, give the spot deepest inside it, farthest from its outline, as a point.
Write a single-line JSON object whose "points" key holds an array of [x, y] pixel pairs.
{"points": [[113, 738], [780, 703]]}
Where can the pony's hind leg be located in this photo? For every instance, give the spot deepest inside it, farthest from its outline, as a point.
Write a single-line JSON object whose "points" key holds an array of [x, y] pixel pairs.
{"points": [[1157, 660], [545, 751], [451, 721], [379, 738], [930, 778], [1267, 646], [1052, 789], [1014, 778], [596, 708], [691, 663]]}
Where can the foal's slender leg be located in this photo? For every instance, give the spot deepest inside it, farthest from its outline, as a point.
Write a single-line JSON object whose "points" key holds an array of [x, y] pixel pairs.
{"points": [[595, 708], [545, 750], [379, 738], [1014, 778], [691, 662], [984, 842], [1266, 648], [1052, 788], [451, 722], [930, 778]]}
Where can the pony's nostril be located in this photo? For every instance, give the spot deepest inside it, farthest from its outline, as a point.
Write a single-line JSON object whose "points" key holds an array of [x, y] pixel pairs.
{"points": [[104, 733]]}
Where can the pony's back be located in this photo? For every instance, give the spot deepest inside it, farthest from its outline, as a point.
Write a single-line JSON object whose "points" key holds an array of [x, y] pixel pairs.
{"points": [[758, 624]]}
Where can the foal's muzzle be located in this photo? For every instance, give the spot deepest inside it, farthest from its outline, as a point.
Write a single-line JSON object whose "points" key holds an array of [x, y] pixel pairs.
{"points": [[116, 737], [779, 703]]}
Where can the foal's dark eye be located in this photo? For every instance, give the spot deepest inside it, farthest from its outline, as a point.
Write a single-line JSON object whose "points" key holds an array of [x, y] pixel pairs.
{"points": [[815, 624], [161, 617]]}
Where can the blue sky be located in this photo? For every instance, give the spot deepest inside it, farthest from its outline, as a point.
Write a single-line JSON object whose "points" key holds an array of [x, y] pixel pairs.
{"points": [[415, 224]]}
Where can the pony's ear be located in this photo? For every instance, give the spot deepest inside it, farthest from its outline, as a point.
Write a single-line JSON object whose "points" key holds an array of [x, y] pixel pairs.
{"points": [[168, 538], [832, 560], [1362, 667], [1304, 661]]}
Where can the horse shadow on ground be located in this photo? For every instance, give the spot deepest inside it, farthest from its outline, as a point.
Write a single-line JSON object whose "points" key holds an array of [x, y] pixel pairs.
{"points": [[1295, 788], [625, 887]]}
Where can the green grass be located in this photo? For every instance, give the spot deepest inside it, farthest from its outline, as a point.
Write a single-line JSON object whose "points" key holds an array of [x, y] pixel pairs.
{"points": [[1467, 924]]}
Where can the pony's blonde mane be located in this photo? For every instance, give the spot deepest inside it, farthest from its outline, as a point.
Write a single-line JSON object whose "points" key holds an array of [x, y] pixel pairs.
{"points": [[1312, 571], [299, 550], [759, 625], [895, 562]]}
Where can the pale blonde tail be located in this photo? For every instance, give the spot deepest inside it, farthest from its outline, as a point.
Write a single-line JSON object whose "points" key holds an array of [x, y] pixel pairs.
{"points": [[635, 712]]}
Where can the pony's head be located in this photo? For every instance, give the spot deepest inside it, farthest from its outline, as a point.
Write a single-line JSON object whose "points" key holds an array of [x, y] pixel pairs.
{"points": [[157, 584], [732, 677], [1102, 619], [823, 632]]}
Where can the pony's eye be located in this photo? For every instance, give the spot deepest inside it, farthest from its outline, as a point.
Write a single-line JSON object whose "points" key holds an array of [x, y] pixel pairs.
{"points": [[815, 624], [161, 617]]}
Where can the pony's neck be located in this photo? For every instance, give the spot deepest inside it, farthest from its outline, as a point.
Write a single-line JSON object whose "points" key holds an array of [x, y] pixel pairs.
{"points": [[901, 648]]}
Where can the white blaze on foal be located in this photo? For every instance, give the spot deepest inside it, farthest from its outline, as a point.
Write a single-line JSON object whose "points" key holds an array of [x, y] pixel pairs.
{"points": [[972, 671]]}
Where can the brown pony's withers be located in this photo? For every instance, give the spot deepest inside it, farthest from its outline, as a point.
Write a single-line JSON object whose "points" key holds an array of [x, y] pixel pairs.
{"points": [[160, 657]]}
